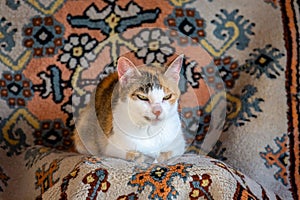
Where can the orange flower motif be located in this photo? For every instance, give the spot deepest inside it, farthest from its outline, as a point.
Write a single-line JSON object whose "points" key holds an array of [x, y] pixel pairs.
{"points": [[160, 179]]}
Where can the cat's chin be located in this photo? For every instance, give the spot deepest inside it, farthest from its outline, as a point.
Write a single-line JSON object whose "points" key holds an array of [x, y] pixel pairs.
{"points": [[155, 122]]}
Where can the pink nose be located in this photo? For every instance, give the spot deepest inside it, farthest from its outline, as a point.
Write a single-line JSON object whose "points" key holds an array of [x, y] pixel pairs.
{"points": [[156, 110]]}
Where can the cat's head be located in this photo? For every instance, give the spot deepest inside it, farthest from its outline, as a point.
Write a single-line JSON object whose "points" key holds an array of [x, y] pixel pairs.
{"points": [[150, 93]]}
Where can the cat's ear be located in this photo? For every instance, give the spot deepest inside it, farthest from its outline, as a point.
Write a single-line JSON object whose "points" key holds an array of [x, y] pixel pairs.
{"points": [[125, 66], [174, 68]]}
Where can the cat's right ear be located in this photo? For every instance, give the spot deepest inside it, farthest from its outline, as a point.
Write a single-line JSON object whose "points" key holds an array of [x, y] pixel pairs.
{"points": [[173, 70], [125, 70]]}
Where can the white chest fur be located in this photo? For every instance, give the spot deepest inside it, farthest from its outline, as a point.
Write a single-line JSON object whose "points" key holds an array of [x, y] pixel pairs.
{"points": [[152, 139]]}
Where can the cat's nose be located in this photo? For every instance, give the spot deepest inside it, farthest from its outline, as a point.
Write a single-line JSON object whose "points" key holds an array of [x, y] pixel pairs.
{"points": [[156, 110]]}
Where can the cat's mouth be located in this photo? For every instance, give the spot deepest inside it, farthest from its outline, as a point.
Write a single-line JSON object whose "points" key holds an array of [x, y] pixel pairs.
{"points": [[155, 120]]}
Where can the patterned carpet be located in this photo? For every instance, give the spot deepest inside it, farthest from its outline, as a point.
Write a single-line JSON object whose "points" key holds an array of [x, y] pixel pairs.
{"points": [[240, 98]]}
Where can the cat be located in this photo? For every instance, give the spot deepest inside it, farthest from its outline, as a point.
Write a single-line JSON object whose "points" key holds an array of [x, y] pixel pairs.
{"points": [[133, 114]]}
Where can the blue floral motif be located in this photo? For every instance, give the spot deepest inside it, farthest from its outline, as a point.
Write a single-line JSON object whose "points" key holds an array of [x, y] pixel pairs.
{"points": [[15, 89], [244, 28], [240, 108], [44, 36], [264, 61], [53, 133], [186, 26], [112, 18], [221, 72]]}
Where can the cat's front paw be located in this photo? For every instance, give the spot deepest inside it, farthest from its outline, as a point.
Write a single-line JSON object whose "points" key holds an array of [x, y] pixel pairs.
{"points": [[138, 157], [133, 155], [164, 156]]}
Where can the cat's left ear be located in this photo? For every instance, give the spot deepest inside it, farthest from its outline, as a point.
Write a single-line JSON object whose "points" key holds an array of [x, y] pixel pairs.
{"points": [[174, 68], [125, 68]]}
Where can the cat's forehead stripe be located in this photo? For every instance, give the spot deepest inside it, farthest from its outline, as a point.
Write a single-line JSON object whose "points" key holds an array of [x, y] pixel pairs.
{"points": [[149, 81]]}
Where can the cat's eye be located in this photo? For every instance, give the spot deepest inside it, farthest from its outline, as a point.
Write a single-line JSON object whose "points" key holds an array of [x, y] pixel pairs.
{"points": [[142, 97], [167, 97]]}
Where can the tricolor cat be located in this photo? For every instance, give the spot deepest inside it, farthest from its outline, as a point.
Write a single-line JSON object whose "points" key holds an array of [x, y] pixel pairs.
{"points": [[137, 110]]}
